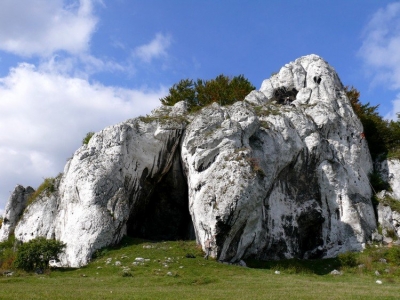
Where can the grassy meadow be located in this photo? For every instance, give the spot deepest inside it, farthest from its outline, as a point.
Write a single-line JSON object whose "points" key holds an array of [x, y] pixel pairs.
{"points": [[177, 270]]}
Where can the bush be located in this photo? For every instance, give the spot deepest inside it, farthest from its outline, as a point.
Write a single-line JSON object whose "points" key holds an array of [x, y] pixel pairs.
{"points": [[47, 186], [36, 254], [1, 221], [393, 255], [223, 89], [348, 259], [7, 253], [87, 138]]}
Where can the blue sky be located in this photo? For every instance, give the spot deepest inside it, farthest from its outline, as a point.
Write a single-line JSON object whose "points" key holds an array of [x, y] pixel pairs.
{"points": [[72, 66]]}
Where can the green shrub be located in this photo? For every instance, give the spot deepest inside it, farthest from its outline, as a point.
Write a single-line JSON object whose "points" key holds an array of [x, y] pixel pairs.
{"points": [[36, 253], [393, 255], [87, 138], [7, 253], [377, 182], [223, 89], [47, 186], [1, 221], [348, 259]]}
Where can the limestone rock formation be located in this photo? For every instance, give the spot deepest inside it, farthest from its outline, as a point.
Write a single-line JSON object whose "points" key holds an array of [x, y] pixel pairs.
{"points": [[14, 209], [388, 217], [282, 174]]}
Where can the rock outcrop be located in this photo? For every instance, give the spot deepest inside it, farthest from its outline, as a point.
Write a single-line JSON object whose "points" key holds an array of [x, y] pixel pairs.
{"points": [[282, 174], [14, 209], [388, 210]]}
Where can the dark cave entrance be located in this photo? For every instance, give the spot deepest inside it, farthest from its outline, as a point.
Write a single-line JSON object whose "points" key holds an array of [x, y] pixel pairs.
{"points": [[164, 214]]}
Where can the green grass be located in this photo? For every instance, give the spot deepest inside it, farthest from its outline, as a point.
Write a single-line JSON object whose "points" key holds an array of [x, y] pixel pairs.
{"points": [[196, 278]]}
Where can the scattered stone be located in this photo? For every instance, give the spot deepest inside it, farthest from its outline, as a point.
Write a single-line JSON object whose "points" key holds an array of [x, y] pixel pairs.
{"points": [[361, 266], [378, 282], [99, 267], [139, 259], [169, 273], [382, 260], [118, 263], [8, 273], [277, 272], [108, 261], [387, 270], [387, 240], [242, 263], [336, 272], [377, 273], [180, 267]]}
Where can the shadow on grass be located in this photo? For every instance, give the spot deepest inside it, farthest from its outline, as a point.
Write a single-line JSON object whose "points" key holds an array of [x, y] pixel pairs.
{"points": [[310, 266]]}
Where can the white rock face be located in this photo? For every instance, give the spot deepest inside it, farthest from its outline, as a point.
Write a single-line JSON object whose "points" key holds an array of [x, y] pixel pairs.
{"points": [[101, 185], [255, 179], [14, 209], [390, 172], [281, 181]]}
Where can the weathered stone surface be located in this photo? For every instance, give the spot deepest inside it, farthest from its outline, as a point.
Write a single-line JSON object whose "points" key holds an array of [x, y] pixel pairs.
{"points": [[390, 172], [280, 175], [14, 209], [101, 186], [281, 181]]}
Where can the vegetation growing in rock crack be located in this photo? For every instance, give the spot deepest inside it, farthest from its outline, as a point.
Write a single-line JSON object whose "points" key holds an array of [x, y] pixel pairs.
{"points": [[47, 187], [36, 254], [87, 138], [223, 90]]}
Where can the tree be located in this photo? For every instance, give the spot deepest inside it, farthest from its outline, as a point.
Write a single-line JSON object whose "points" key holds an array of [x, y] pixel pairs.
{"points": [[87, 138], [383, 136], [223, 90], [36, 253]]}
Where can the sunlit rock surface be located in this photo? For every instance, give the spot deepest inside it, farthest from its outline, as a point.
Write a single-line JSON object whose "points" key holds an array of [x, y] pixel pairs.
{"points": [[279, 175]]}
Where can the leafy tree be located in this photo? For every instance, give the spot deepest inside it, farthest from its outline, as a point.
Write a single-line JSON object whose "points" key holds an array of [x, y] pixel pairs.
{"points": [[376, 129], [223, 90], [87, 138], [36, 253]]}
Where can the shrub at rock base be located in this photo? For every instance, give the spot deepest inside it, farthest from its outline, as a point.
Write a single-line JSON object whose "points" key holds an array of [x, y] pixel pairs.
{"points": [[36, 253]]}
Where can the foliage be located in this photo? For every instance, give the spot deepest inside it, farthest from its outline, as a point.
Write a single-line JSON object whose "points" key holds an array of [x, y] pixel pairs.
{"points": [[348, 259], [1, 221], [389, 201], [377, 182], [87, 138], [223, 89], [36, 253], [383, 136], [47, 187], [7, 253]]}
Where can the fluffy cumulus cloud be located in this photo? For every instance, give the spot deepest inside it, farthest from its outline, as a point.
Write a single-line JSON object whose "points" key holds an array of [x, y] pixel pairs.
{"points": [[156, 48], [42, 27], [45, 113], [381, 49]]}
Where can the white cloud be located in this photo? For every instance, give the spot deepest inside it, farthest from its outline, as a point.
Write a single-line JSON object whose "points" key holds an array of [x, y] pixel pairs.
{"points": [[155, 49], [381, 46], [45, 113], [42, 27]]}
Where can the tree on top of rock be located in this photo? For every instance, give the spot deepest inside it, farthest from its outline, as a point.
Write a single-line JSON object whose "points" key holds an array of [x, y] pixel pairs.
{"points": [[223, 89]]}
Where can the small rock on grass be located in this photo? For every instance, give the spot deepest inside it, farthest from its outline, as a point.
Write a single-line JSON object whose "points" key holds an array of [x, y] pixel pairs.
{"points": [[336, 272], [378, 282]]}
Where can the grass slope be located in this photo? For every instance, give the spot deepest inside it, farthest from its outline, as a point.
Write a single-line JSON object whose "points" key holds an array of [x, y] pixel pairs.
{"points": [[168, 274]]}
